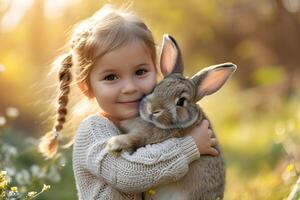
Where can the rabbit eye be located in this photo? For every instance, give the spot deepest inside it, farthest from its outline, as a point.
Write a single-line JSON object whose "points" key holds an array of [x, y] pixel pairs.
{"points": [[181, 102]]}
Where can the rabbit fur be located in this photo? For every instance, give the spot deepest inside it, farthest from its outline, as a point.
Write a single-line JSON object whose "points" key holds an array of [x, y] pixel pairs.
{"points": [[171, 110]]}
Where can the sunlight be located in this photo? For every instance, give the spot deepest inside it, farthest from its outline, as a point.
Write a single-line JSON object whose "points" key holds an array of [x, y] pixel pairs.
{"points": [[2, 68], [14, 15], [56, 8], [291, 5], [4, 5], [256, 115]]}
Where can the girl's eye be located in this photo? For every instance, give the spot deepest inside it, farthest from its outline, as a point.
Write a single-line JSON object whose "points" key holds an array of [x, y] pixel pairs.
{"points": [[111, 77], [181, 102], [141, 72]]}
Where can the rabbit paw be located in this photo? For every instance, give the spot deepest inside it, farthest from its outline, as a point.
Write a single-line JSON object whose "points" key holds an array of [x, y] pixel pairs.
{"points": [[114, 146]]}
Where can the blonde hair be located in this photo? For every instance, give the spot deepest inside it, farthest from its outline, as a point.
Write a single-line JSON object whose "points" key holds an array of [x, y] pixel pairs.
{"points": [[106, 30]]}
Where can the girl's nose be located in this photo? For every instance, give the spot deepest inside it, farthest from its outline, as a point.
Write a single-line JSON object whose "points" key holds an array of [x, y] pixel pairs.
{"points": [[129, 87]]}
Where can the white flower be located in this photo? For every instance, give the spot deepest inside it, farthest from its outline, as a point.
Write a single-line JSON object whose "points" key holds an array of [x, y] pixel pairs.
{"points": [[23, 177], [31, 194], [9, 150], [12, 112], [2, 121], [53, 174], [62, 161], [11, 171], [46, 187], [3, 173], [36, 171]]}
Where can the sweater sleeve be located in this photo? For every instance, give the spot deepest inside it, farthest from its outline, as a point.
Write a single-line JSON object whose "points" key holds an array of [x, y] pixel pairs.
{"points": [[147, 167]]}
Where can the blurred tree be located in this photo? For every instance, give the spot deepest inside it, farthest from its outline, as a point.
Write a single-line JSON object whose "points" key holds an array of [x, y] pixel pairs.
{"points": [[256, 35], [261, 37]]}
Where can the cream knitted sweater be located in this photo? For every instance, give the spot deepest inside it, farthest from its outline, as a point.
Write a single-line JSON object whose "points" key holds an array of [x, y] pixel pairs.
{"points": [[99, 175]]}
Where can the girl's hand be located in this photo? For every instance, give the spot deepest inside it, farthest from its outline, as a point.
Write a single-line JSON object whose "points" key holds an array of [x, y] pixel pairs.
{"points": [[204, 140]]}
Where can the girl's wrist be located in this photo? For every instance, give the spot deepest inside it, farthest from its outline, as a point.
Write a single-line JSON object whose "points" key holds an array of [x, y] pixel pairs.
{"points": [[190, 149]]}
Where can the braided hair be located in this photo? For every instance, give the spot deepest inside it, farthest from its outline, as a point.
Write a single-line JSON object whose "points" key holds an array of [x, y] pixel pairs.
{"points": [[106, 30]]}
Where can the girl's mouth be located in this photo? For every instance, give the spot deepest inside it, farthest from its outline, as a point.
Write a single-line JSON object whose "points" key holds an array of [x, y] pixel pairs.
{"points": [[130, 103]]}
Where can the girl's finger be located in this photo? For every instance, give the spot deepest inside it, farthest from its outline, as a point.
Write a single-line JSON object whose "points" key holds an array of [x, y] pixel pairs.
{"points": [[213, 141], [214, 152], [210, 132], [204, 124]]}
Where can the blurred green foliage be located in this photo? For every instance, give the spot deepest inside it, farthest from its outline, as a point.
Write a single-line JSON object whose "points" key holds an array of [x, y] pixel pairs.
{"points": [[256, 115], [24, 173]]}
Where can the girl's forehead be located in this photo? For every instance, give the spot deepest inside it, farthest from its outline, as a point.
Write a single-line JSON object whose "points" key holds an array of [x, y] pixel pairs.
{"points": [[129, 54]]}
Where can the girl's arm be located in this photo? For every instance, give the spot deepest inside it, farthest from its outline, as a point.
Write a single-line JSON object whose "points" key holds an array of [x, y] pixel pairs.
{"points": [[149, 166]]}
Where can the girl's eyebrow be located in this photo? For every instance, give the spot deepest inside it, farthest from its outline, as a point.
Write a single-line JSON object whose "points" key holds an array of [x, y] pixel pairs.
{"points": [[106, 71], [141, 65]]}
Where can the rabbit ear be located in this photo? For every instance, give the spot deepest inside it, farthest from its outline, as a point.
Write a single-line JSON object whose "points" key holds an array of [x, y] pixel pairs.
{"points": [[170, 57], [211, 79]]}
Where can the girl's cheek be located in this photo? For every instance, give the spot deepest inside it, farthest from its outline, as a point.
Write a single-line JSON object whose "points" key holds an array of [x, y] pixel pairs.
{"points": [[105, 91], [153, 86], [150, 86]]}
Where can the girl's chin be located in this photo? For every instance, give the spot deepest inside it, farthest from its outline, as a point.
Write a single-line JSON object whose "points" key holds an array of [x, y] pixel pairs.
{"points": [[122, 116], [131, 115], [125, 114]]}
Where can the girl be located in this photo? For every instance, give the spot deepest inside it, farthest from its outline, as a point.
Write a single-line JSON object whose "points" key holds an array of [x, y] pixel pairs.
{"points": [[113, 56]]}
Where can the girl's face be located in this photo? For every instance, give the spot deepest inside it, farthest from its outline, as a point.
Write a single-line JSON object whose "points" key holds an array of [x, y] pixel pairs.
{"points": [[121, 78]]}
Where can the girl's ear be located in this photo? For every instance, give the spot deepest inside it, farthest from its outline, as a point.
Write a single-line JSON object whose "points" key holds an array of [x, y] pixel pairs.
{"points": [[170, 57], [85, 89], [211, 79]]}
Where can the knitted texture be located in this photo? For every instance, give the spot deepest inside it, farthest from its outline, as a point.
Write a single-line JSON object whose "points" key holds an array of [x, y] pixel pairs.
{"points": [[100, 175]]}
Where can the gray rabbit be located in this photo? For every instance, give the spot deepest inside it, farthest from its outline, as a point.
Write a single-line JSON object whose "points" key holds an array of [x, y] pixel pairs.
{"points": [[170, 111]]}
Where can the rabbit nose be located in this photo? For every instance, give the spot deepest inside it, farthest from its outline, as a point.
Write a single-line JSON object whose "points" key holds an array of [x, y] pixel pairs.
{"points": [[157, 112]]}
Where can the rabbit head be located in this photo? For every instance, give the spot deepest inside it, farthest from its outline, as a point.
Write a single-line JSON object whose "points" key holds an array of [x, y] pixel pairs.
{"points": [[172, 103]]}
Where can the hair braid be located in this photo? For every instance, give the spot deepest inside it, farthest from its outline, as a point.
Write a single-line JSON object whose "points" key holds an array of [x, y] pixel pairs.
{"points": [[65, 78], [105, 31], [49, 143]]}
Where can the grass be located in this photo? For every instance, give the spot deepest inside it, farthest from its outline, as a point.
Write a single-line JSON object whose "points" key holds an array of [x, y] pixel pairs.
{"points": [[255, 136], [259, 138]]}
